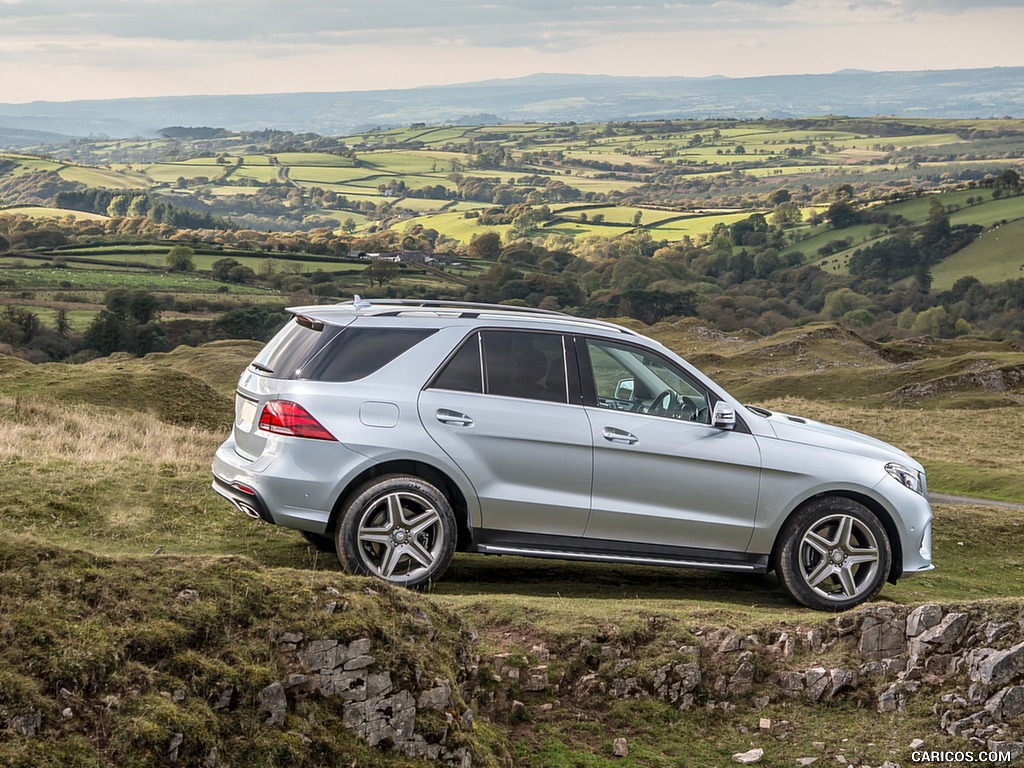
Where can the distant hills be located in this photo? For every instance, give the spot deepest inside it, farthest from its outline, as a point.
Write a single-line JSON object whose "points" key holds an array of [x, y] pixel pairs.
{"points": [[965, 93]]}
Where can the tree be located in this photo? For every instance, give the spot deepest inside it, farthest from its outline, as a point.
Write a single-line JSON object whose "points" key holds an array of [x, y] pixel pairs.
{"points": [[221, 267], [786, 214], [841, 214], [63, 324], [180, 259], [136, 306], [842, 301], [1009, 178], [381, 272], [935, 321], [257, 323], [118, 206], [486, 246], [18, 325]]}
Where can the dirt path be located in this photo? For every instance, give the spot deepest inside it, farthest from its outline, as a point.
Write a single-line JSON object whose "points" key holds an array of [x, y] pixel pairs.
{"points": [[942, 498]]}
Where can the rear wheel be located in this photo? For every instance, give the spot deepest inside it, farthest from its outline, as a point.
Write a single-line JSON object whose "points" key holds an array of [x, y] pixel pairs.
{"points": [[833, 554], [399, 528]]}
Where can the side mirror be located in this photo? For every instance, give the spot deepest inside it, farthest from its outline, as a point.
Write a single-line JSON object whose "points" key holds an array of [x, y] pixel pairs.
{"points": [[723, 417], [624, 389]]}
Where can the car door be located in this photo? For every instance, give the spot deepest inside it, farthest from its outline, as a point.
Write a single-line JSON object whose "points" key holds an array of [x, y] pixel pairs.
{"points": [[500, 408], [662, 474]]}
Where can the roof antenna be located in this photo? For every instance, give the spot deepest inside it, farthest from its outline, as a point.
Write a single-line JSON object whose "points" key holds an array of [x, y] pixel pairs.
{"points": [[358, 302]]}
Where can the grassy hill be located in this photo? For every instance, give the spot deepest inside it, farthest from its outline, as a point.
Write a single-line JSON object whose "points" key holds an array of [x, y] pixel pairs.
{"points": [[143, 618]]}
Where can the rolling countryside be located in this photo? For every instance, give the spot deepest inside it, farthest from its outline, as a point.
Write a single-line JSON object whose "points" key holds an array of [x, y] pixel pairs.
{"points": [[865, 272]]}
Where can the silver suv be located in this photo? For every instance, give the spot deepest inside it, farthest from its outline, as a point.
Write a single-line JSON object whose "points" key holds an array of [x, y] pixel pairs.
{"points": [[398, 432]]}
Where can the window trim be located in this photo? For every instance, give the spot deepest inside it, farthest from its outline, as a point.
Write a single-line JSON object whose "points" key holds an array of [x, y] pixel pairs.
{"points": [[573, 394], [431, 382], [589, 384]]}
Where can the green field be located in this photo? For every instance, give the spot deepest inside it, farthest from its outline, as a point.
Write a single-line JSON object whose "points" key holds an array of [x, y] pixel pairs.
{"points": [[663, 169], [994, 257], [41, 212]]}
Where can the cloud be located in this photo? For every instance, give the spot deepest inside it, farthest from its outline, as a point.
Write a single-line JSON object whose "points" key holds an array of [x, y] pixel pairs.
{"points": [[66, 48]]}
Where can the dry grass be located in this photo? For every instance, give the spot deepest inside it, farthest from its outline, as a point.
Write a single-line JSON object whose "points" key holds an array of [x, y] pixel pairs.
{"points": [[39, 430]]}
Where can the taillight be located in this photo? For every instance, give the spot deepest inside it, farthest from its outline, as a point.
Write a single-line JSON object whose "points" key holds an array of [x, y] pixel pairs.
{"points": [[283, 417]]}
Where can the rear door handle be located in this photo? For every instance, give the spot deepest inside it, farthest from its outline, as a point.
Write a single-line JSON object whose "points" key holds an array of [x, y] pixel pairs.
{"points": [[453, 418], [613, 435]]}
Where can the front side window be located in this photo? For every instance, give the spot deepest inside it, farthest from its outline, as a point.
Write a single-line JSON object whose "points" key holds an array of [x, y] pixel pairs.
{"points": [[629, 378]]}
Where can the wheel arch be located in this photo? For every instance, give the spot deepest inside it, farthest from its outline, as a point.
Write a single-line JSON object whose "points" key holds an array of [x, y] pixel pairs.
{"points": [[879, 510], [419, 469]]}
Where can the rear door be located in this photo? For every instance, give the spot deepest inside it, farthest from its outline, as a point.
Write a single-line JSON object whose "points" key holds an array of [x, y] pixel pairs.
{"points": [[503, 408]]}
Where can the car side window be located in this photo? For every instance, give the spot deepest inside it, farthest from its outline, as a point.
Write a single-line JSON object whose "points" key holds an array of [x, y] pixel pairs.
{"points": [[463, 371], [628, 378], [524, 364]]}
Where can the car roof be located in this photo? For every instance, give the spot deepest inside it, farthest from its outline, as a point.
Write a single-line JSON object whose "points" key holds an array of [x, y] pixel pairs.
{"points": [[344, 312]]}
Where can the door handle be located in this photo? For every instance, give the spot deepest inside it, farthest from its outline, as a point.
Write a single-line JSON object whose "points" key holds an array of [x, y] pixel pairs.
{"points": [[453, 418], [613, 435]]}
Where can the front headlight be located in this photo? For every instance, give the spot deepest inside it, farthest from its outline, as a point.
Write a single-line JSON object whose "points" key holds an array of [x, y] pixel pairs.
{"points": [[908, 477]]}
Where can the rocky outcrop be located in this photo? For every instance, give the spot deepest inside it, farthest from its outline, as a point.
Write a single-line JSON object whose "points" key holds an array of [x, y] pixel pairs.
{"points": [[966, 663], [375, 709]]}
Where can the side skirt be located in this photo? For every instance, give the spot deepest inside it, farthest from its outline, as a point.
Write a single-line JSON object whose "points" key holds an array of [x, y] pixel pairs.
{"points": [[490, 542]]}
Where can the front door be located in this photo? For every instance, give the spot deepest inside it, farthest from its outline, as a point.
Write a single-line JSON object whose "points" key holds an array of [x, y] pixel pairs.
{"points": [[662, 473]]}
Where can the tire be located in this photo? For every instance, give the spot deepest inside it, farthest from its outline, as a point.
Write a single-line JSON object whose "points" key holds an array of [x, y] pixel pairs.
{"points": [[398, 528], [319, 541], [833, 554]]}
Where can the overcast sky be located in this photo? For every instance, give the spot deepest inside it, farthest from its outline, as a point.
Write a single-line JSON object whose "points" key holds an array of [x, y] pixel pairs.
{"points": [[58, 50]]}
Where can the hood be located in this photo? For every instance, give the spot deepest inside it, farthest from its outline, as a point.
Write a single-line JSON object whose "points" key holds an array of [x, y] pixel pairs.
{"points": [[797, 429]]}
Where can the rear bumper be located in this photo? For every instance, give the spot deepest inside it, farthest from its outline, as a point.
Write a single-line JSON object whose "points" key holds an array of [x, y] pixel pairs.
{"points": [[295, 485], [245, 499]]}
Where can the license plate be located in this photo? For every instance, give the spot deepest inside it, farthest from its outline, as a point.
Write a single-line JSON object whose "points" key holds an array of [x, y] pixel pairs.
{"points": [[246, 412]]}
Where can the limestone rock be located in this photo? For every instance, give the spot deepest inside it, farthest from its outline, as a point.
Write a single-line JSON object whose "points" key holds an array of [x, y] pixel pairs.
{"points": [[923, 617], [273, 701], [27, 725], [995, 667], [882, 639], [436, 698], [944, 635], [818, 681], [750, 757], [620, 748], [536, 678]]}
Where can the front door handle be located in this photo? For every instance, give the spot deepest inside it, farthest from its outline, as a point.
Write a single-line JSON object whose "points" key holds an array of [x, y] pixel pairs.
{"points": [[453, 418], [613, 435]]}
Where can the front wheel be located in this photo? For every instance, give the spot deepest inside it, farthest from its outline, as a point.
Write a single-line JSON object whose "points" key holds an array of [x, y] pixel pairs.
{"points": [[833, 554], [399, 528]]}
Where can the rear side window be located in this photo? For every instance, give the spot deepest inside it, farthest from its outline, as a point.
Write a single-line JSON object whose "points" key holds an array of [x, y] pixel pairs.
{"points": [[357, 352], [515, 364], [293, 345], [463, 372], [526, 365]]}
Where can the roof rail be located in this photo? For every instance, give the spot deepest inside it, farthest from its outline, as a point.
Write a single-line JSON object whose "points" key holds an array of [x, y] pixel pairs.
{"points": [[361, 303], [397, 307]]}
